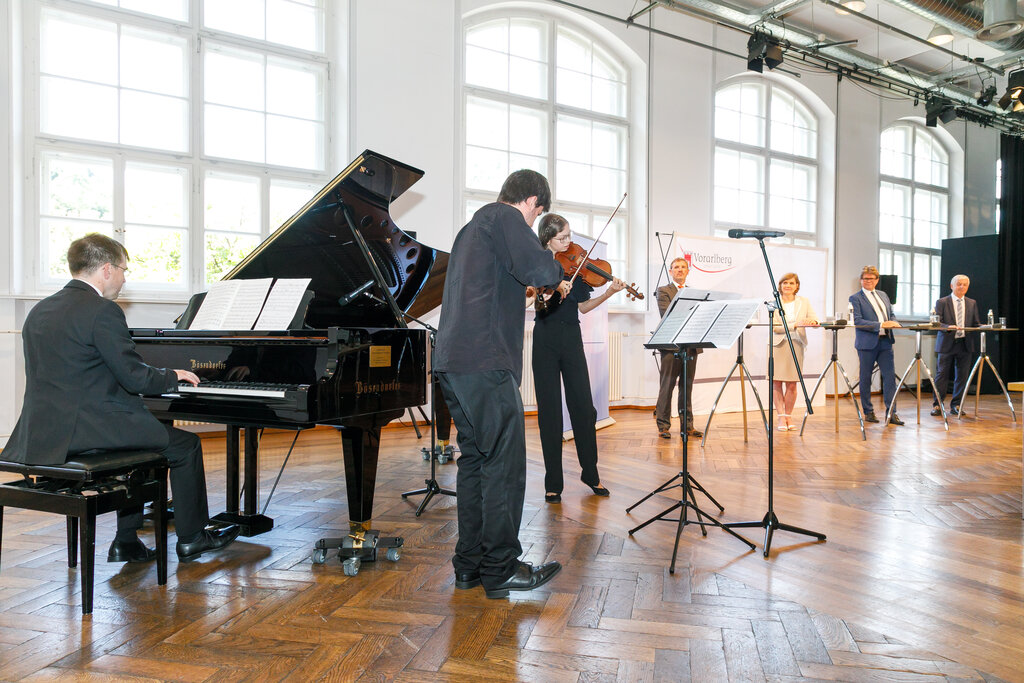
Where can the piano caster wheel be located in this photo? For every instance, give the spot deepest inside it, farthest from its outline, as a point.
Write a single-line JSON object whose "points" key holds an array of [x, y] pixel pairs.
{"points": [[351, 566], [394, 554], [426, 453], [319, 556], [443, 458]]}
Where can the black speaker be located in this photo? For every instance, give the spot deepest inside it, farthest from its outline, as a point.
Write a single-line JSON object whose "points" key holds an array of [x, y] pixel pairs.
{"points": [[887, 283]]}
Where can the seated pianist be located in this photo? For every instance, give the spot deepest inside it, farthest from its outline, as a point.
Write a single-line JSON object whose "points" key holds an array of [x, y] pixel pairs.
{"points": [[81, 364]]}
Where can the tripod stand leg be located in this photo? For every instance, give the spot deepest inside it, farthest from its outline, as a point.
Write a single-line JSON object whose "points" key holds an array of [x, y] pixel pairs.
{"points": [[660, 515], [856, 406], [814, 393], [967, 385], [935, 396], [664, 487], [721, 390], [899, 385], [696, 485], [757, 397], [1002, 386]]}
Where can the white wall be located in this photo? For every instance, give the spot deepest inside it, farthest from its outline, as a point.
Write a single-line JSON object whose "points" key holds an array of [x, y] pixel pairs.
{"points": [[399, 71]]}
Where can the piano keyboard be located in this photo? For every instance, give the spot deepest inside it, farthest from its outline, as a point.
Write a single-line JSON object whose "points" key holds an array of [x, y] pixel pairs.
{"points": [[243, 389]]}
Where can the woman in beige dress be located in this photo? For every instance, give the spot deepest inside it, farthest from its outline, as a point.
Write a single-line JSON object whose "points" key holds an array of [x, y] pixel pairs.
{"points": [[799, 315]]}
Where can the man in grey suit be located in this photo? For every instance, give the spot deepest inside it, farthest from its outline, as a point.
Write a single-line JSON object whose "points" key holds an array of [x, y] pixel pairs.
{"points": [[672, 365], [955, 347], [83, 380], [873, 339]]}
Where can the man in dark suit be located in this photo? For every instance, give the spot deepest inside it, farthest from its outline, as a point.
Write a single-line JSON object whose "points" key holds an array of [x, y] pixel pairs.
{"points": [[672, 365], [872, 315], [83, 380], [955, 347]]}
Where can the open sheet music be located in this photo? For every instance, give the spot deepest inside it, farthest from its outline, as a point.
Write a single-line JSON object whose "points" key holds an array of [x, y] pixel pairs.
{"points": [[260, 304], [706, 323]]}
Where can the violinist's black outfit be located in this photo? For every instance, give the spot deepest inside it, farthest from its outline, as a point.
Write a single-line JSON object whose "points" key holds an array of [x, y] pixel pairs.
{"points": [[479, 362], [558, 359]]}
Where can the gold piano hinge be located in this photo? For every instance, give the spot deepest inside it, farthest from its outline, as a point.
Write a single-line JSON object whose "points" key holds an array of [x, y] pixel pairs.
{"points": [[357, 539]]}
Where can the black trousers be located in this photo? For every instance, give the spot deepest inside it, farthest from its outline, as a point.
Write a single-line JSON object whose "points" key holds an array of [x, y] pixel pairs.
{"points": [[558, 358], [672, 376], [491, 484], [957, 361], [184, 455]]}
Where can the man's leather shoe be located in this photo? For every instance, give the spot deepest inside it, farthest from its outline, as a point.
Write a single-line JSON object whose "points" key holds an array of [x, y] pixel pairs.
{"points": [[958, 411], [209, 539], [936, 411], [696, 433], [664, 433], [130, 551], [894, 419], [526, 577], [870, 417], [466, 580]]}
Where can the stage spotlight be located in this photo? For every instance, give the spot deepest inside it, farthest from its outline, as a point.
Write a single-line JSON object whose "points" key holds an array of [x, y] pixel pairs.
{"points": [[757, 44], [940, 35], [938, 109], [984, 97], [773, 55]]}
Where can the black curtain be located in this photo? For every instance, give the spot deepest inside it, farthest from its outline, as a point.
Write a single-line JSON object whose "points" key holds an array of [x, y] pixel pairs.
{"points": [[1011, 258]]}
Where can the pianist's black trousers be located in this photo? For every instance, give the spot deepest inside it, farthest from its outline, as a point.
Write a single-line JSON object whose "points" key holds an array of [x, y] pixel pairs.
{"points": [[488, 413], [184, 455], [558, 358]]}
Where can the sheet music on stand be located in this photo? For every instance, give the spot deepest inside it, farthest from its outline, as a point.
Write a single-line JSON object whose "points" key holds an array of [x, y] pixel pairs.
{"points": [[702, 323]]}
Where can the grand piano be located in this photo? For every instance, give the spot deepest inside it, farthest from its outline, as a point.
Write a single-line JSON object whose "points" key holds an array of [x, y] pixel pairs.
{"points": [[349, 359]]}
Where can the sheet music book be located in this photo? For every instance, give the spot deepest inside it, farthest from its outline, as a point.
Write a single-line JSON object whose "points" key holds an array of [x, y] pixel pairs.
{"points": [[259, 304], [706, 323]]}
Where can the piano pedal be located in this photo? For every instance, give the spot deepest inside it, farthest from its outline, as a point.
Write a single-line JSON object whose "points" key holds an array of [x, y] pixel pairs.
{"points": [[354, 550]]}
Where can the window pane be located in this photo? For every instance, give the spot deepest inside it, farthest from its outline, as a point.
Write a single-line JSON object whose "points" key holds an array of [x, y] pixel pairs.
{"points": [[157, 255], [894, 214], [233, 134], [793, 196], [740, 113], [78, 187], [588, 77], [931, 163], [929, 219], [169, 9], [296, 143], [77, 110], [224, 251], [486, 68], [286, 198], [241, 17], [154, 121], [234, 78], [156, 195], [153, 62], [297, 24], [897, 152], [78, 47], [793, 128], [295, 90], [58, 234], [231, 203], [486, 123], [739, 187]]}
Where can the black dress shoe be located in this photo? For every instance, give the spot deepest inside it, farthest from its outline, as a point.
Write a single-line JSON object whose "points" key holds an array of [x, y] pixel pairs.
{"points": [[664, 433], [936, 411], [958, 411], [599, 490], [526, 577], [466, 580], [130, 551], [870, 417], [209, 539], [552, 497], [894, 419]]}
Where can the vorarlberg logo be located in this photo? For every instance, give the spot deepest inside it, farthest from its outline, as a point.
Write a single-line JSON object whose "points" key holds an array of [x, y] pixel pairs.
{"points": [[708, 263]]}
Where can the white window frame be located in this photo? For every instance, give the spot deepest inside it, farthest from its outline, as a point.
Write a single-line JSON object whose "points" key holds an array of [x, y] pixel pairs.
{"points": [[817, 162], [888, 251], [597, 214], [34, 277]]}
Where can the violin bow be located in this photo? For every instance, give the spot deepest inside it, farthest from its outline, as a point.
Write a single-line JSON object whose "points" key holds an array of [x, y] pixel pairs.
{"points": [[586, 258]]}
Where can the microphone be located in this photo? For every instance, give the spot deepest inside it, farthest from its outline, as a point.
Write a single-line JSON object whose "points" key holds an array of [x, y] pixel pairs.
{"points": [[737, 234], [355, 294]]}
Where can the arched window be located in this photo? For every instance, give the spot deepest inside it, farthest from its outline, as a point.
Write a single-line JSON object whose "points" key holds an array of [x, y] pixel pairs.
{"points": [[545, 95], [913, 214], [766, 161]]}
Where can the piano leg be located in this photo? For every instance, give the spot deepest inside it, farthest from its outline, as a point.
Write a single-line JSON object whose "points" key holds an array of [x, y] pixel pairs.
{"points": [[249, 520], [360, 441]]}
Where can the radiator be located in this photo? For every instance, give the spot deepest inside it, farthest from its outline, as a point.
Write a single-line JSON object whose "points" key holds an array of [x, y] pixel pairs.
{"points": [[615, 341]]}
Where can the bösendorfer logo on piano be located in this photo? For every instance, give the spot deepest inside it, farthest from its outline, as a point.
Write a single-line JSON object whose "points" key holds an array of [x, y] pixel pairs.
{"points": [[207, 364], [376, 387]]}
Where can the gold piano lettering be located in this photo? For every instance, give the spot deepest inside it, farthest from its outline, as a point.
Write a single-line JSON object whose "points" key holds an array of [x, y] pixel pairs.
{"points": [[207, 364], [380, 356], [376, 387]]}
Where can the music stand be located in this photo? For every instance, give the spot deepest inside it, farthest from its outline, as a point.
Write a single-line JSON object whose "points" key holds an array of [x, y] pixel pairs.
{"points": [[837, 368], [687, 326]]}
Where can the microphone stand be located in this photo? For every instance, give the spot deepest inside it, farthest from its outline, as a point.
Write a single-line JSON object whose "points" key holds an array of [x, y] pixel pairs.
{"points": [[770, 522]]}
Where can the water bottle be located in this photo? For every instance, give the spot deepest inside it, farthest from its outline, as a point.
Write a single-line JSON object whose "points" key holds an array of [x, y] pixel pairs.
{"points": [[933, 319], [849, 312], [991, 318]]}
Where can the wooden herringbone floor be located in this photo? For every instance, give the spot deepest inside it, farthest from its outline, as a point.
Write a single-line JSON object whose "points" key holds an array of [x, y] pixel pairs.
{"points": [[921, 578]]}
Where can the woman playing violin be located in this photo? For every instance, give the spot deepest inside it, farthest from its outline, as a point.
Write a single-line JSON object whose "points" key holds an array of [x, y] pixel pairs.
{"points": [[558, 359]]}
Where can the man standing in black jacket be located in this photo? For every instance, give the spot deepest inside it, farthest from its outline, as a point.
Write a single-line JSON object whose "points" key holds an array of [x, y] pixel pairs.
{"points": [[479, 363], [955, 347], [83, 379]]}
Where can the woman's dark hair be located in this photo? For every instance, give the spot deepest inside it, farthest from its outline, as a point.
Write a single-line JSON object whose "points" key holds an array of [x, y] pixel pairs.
{"points": [[523, 184], [550, 225]]}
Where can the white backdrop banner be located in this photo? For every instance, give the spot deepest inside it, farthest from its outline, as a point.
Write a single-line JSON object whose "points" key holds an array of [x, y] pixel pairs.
{"points": [[737, 265]]}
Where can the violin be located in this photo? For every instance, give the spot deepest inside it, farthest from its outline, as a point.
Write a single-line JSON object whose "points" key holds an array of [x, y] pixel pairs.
{"points": [[594, 271]]}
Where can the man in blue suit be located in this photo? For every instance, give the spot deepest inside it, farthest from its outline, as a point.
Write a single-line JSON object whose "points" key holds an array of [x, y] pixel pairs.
{"points": [[872, 315], [955, 347]]}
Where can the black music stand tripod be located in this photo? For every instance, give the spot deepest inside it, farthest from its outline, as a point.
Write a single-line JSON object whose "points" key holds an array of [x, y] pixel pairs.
{"points": [[432, 488], [770, 522], [686, 483]]}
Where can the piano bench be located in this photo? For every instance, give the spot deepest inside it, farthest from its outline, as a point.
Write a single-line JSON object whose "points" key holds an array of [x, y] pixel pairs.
{"points": [[87, 486]]}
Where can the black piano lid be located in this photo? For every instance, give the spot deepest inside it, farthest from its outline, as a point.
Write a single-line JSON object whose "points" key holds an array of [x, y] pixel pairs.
{"points": [[318, 243]]}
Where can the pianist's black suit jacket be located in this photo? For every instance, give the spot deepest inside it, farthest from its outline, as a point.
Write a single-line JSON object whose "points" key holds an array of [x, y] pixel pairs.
{"points": [[83, 379]]}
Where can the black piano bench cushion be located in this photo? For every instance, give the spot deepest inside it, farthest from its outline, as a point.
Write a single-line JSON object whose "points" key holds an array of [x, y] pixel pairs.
{"points": [[88, 467]]}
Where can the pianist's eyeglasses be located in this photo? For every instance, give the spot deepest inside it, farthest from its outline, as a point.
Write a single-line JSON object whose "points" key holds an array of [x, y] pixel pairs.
{"points": [[123, 268]]}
